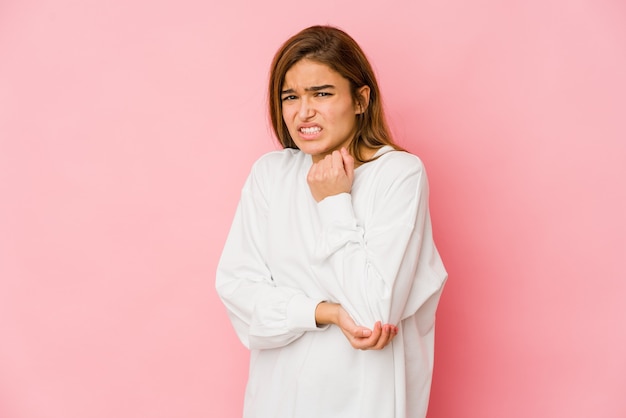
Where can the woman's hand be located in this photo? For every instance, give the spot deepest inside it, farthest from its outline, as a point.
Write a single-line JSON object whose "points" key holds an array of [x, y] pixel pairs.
{"points": [[332, 175], [363, 338], [359, 337]]}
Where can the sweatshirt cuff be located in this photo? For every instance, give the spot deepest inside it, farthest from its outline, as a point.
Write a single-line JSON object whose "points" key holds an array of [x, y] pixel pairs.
{"points": [[301, 313], [337, 210]]}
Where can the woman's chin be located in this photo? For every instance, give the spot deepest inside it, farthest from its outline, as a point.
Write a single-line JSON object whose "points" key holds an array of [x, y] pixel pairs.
{"points": [[312, 149]]}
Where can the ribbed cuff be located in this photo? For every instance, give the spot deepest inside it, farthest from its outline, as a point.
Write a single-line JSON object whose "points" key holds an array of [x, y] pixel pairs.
{"points": [[337, 210], [301, 313]]}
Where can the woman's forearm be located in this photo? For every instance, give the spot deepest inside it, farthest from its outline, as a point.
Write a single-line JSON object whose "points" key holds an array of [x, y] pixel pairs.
{"points": [[326, 313], [362, 338]]}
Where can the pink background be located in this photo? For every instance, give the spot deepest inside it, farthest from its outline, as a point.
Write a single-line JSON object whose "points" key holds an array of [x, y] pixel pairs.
{"points": [[127, 129]]}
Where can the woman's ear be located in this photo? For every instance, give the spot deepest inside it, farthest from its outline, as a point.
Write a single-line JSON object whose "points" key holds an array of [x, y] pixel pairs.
{"points": [[364, 98]]}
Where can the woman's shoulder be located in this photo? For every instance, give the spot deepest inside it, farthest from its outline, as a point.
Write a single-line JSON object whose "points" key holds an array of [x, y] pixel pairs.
{"points": [[396, 173], [276, 162], [397, 162], [271, 168], [283, 156]]}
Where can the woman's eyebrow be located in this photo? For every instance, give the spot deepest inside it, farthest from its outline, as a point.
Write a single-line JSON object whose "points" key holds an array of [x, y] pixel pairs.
{"points": [[318, 88], [312, 88]]}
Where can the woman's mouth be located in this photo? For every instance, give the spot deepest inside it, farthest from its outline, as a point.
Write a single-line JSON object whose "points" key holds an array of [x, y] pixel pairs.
{"points": [[310, 130]]}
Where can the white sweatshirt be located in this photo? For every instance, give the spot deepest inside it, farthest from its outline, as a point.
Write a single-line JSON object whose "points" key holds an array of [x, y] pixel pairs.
{"points": [[371, 250]]}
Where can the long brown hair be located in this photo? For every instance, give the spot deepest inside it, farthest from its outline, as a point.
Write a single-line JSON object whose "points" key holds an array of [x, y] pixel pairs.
{"points": [[336, 49]]}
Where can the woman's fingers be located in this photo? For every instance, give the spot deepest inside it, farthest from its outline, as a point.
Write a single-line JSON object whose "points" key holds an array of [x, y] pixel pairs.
{"points": [[348, 164], [336, 161], [389, 331], [331, 175], [366, 343], [363, 338], [381, 336]]}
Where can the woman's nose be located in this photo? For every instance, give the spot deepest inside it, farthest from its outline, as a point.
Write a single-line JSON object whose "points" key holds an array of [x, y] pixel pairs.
{"points": [[306, 110]]}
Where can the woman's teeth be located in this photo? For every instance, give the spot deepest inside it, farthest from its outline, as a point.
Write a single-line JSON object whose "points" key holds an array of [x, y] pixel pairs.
{"points": [[311, 130]]}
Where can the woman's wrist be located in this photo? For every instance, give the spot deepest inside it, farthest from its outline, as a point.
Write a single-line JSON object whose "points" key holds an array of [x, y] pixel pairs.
{"points": [[326, 313]]}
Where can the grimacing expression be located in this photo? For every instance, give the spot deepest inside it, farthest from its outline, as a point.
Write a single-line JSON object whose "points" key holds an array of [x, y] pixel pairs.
{"points": [[318, 108]]}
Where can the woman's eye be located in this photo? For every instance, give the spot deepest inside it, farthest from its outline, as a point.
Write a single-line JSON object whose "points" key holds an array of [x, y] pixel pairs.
{"points": [[287, 98], [323, 94]]}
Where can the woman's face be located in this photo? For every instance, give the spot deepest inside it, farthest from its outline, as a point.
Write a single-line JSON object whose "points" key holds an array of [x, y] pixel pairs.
{"points": [[318, 108]]}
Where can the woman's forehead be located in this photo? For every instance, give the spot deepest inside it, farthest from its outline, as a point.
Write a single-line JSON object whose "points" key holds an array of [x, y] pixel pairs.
{"points": [[306, 74]]}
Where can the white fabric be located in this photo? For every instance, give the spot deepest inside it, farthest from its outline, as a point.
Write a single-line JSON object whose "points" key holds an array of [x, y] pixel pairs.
{"points": [[371, 251]]}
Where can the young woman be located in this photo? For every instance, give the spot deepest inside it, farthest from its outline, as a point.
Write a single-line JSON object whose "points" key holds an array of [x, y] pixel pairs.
{"points": [[329, 273]]}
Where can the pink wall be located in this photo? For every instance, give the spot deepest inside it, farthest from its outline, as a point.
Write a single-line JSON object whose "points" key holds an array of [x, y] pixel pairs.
{"points": [[128, 127]]}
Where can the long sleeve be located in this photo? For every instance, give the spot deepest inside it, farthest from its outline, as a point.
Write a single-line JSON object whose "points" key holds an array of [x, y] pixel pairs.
{"points": [[263, 314], [370, 250], [386, 267]]}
